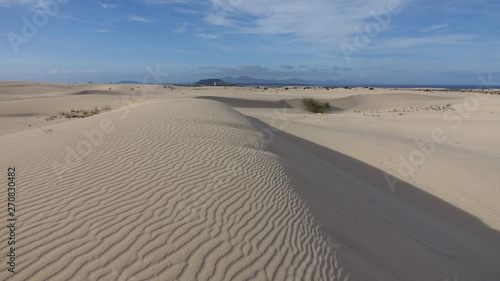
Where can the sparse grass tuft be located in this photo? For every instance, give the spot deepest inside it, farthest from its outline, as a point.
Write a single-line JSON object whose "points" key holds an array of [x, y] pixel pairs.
{"points": [[106, 107], [50, 118], [82, 113], [315, 106]]}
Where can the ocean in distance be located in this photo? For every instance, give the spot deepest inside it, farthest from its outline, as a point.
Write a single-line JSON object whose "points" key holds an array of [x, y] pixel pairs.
{"points": [[451, 87]]}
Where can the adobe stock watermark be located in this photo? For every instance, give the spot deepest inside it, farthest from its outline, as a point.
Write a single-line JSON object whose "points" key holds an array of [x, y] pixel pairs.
{"points": [[427, 147], [46, 9], [380, 22], [94, 137]]}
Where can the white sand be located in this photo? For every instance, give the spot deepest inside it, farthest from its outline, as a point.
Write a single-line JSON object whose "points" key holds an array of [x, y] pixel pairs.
{"points": [[214, 183]]}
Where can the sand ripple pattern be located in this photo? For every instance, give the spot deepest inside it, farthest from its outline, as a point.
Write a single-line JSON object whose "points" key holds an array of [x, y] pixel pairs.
{"points": [[178, 190]]}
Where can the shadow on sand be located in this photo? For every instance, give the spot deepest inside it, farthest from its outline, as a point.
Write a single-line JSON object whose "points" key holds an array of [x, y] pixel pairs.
{"points": [[431, 224], [448, 221], [245, 103]]}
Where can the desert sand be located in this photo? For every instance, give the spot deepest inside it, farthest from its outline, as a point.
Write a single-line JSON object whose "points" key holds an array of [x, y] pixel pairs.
{"points": [[240, 183]]}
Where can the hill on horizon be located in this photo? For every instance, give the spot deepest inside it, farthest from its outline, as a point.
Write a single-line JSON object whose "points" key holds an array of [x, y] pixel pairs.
{"points": [[212, 82]]}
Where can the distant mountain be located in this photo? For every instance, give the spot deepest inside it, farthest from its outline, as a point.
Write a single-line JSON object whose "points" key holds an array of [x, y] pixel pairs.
{"points": [[212, 82], [127, 82], [245, 80]]}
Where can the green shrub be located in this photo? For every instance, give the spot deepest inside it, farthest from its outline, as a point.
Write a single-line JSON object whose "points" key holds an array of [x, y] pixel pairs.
{"points": [[315, 106]]}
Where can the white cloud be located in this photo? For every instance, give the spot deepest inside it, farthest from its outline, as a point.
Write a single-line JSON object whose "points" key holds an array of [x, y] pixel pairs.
{"points": [[435, 27], [138, 19], [262, 72], [325, 23], [182, 28], [107, 6], [186, 11], [407, 42], [207, 36], [158, 2], [58, 71], [103, 30], [220, 20], [321, 21], [7, 3], [327, 56], [32, 4]]}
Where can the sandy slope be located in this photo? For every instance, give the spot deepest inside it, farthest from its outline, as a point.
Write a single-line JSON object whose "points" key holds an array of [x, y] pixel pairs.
{"points": [[391, 185], [180, 190], [403, 217]]}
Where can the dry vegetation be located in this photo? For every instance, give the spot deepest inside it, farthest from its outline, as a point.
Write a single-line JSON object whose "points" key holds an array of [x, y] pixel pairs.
{"points": [[315, 106], [82, 113]]}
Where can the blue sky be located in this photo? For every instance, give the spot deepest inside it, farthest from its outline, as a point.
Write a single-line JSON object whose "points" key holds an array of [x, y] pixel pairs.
{"points": [[378, 41]]}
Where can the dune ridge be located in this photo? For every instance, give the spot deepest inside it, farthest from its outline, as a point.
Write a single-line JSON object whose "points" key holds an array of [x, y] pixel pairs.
{"points": [[178, 190]]}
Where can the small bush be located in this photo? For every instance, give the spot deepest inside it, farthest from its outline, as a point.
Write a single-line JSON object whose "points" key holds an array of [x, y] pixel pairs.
{"points": [[82, 113], [315, 106]]}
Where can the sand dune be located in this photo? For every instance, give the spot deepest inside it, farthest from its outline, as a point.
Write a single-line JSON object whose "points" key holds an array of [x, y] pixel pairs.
{"points": [[182, 190], [208, 183], [381, 101], [96, 92]]}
